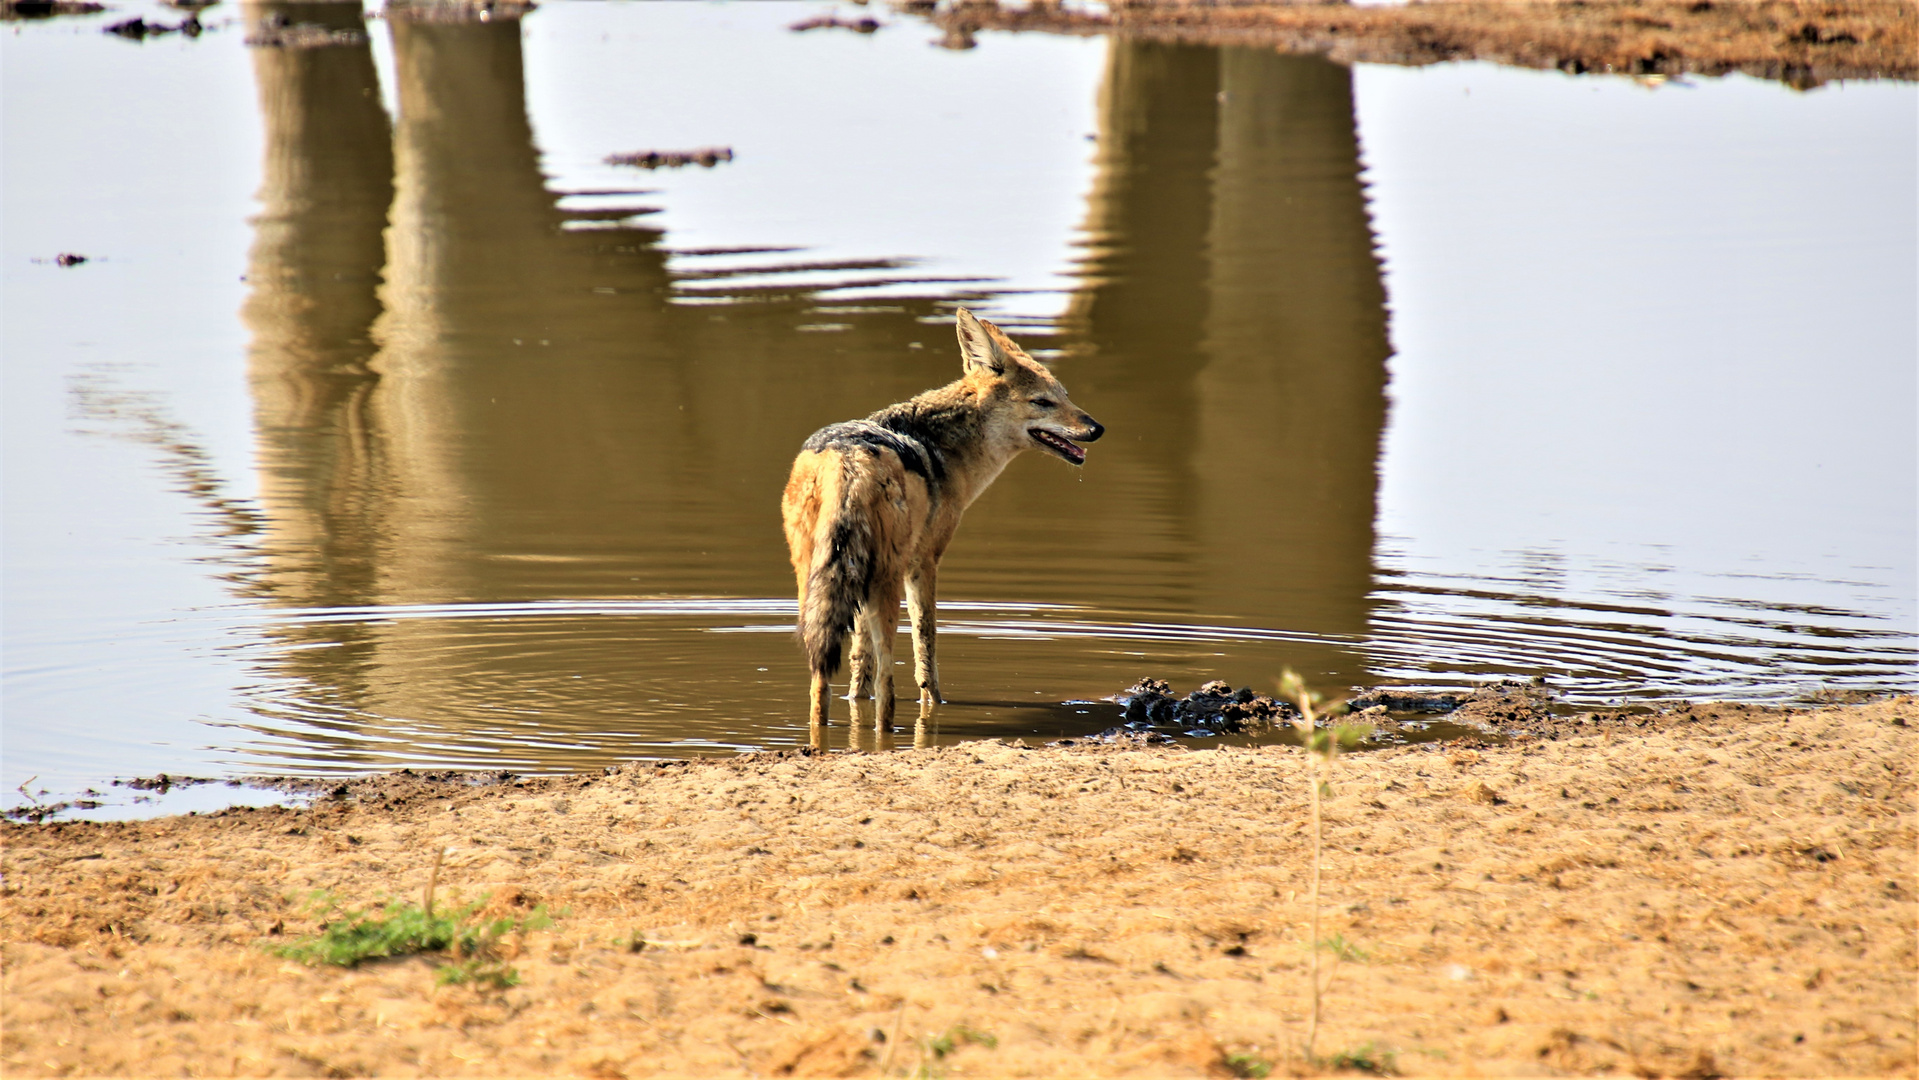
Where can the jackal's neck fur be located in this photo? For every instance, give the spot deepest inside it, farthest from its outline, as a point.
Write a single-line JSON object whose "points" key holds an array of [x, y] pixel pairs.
{"points": [[948, 422]]}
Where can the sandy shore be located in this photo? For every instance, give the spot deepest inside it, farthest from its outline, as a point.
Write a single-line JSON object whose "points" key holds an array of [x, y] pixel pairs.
{"points": [[1801, 42], [1717, 891]]}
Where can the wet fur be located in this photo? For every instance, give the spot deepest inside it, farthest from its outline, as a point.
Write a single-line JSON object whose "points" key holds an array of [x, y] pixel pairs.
{"points": [[872, 504]]}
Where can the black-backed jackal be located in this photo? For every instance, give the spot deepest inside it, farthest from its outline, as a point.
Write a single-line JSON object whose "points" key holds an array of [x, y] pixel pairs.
{"points": [[872, 504]]}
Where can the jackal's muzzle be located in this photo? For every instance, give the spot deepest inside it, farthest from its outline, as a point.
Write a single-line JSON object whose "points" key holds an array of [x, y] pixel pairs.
{"points": [[1064, 445]]}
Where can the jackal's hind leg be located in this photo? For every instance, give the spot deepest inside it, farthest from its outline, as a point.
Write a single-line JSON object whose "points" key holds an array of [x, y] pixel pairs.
{"points": [[822, 692], [922, 602], [859, 683], [883, 622]]}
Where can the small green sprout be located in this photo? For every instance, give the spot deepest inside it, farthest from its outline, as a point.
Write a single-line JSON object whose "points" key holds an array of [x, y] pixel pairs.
{"points": [[1322, 746], [936, 1049], [1367, 1058], [490, 975], [1343, 949], [1250, 1066]]}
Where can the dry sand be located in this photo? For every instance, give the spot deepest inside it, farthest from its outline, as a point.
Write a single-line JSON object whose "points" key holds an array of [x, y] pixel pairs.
{"points": [[1721, 891]]}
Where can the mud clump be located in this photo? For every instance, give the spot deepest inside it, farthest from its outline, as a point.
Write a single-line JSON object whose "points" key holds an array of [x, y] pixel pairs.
{"points": [[1507, 705], [396, 790]]}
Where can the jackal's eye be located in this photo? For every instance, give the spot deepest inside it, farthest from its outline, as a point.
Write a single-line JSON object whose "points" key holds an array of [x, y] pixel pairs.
{"points": [[1045, 403]]}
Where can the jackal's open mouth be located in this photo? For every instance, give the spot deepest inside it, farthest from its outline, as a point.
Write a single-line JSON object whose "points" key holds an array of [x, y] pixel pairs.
{"points": [[1063, 447]]}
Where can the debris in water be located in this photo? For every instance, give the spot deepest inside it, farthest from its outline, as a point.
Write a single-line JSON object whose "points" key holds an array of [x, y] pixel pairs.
{"points": [[138, 29], [276, 32], [706, 156], [47, 9], [68, 258], [862, 25], [1212, 709]]}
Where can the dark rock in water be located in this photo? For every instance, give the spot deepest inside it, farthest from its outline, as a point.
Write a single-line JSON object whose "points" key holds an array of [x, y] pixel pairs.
{"points": [[1214, 708], [1149, 688]]}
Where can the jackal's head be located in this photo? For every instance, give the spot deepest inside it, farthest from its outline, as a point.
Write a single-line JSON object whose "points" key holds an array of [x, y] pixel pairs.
{"points": [[1025, 407]]}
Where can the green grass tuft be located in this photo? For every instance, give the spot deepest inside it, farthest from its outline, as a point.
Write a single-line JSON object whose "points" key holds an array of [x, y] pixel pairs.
{"points": [[352, 936], [1249, 1065], [1367, 1058]]}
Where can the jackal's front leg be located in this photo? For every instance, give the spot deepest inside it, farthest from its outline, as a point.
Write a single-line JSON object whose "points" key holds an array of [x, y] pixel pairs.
{"points": [[922, 588]]}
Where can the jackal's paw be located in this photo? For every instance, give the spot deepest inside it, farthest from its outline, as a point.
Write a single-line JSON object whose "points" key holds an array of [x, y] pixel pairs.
{"points": [[930, 696]]}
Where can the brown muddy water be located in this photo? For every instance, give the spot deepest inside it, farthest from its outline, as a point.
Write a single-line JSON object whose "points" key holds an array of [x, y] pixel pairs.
{"points": [[387, 425]]}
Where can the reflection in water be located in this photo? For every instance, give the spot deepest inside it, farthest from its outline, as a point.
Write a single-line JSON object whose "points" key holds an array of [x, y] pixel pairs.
{"points": [[557, 409], [1232, 290], [467, 389], [313, 274], [489, 414]]}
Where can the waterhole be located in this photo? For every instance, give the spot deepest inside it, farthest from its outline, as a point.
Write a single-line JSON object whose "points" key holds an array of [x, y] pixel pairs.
{"points": [[388, 424]]}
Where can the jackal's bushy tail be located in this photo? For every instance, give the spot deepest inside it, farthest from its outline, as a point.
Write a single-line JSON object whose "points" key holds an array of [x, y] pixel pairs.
{"points": [[842, 572]]}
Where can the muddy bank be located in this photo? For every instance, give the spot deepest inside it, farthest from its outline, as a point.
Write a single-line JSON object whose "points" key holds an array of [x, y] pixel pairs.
{"points": [[1800, 43], [1725, 891], [11, 10]]}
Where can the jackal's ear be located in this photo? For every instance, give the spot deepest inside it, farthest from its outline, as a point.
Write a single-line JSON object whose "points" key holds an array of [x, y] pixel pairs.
{"points": [[980, 346]]}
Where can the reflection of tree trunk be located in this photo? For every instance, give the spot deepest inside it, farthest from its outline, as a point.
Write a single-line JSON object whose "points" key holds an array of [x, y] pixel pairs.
{"points": [[1150, 206], [509, 339], [1140, 315], [313, 275], [1232, 290], [1293, 398]]}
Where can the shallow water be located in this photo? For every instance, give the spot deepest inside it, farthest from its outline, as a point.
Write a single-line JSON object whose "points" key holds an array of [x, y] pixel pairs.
{"points": [[387, 425]]}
